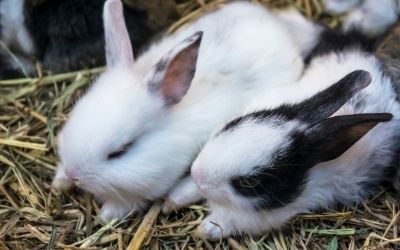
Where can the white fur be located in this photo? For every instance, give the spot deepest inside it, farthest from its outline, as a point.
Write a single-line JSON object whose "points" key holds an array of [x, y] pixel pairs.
{"points": [[184, 193], [339, 179], [13, 29], [245, 50], [340, 6], [304, 32], [370, 16]]}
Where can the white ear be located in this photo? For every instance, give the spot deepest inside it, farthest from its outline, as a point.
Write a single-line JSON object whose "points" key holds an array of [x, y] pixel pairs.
{"points": [[118, 45], [171, 77]]}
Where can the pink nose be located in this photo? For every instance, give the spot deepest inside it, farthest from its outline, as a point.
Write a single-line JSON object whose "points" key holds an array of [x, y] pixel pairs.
{"points": [[198, 175], [203, 180]]}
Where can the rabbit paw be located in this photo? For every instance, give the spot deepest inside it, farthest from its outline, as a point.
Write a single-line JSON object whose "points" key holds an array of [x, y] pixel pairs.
{"points": [[61, 181], [212, 229], [110, 211], [168, 206], [185, 193]]}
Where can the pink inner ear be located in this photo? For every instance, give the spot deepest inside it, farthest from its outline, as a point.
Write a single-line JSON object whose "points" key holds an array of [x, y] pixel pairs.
{"points": [[179, 74]]}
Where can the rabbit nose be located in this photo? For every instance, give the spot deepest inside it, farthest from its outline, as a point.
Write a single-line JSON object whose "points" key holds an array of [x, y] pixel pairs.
{"points": [[197, 174], [199, 177]]}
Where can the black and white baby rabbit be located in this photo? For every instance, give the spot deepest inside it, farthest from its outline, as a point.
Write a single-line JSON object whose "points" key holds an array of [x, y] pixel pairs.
{"points": [[368, 16], [134, 135], [328, 139], [64, 35]]}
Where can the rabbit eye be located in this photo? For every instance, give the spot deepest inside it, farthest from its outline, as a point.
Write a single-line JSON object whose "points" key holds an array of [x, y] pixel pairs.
{"points": [[118, 153], [245, 182]]}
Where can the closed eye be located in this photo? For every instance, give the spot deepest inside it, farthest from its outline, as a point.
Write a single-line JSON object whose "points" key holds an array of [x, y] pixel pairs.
{"points": [[245, 182], [119, 152]]}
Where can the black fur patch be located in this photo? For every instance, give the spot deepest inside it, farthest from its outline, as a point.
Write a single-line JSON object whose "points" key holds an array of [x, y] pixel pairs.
{"points": [[274, 187], [162, 65], [285, 112], [336, 41], [8, 70], [69, 34]]}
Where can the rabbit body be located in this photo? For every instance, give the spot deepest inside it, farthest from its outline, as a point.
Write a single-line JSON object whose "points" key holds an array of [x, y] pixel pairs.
{"points": [[265, 167]]}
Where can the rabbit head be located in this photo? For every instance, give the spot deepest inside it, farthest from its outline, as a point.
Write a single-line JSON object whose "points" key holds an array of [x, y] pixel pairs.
{"points": [[122, 106]]}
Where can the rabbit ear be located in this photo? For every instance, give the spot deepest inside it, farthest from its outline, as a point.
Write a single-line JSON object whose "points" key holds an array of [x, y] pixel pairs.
{"points": [[327, 102], [118, 45], [330, 138], [171, 77]]}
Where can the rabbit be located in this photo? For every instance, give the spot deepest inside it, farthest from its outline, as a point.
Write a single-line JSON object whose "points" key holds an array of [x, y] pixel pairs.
{"points": [[368, 16], [64, 35], [132, 137], [388, 51], [328, 139]]}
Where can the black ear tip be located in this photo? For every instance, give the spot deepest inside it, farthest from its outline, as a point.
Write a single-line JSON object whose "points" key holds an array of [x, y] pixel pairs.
{"points": [[386, 117], [379, 117], [363, 77], [194, 40], [199, 33], [198, 36]]}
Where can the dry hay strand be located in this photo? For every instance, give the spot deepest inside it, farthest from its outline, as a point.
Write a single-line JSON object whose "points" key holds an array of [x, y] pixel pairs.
{"points": [[33, 216]]}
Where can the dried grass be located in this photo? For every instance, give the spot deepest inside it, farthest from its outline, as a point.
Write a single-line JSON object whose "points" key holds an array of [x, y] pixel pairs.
{"points": [[33, 216]]}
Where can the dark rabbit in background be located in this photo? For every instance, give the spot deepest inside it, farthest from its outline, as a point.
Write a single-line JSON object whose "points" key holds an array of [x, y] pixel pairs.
{"points": [[65, 35]]}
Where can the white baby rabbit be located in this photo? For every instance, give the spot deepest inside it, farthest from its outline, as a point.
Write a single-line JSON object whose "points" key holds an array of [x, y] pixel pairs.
{"points": [[136, 132], [369, 16], [333, 141]]}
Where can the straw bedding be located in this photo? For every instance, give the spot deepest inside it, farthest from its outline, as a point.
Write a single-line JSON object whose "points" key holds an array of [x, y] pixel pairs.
{"points": [[33, 216]]}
